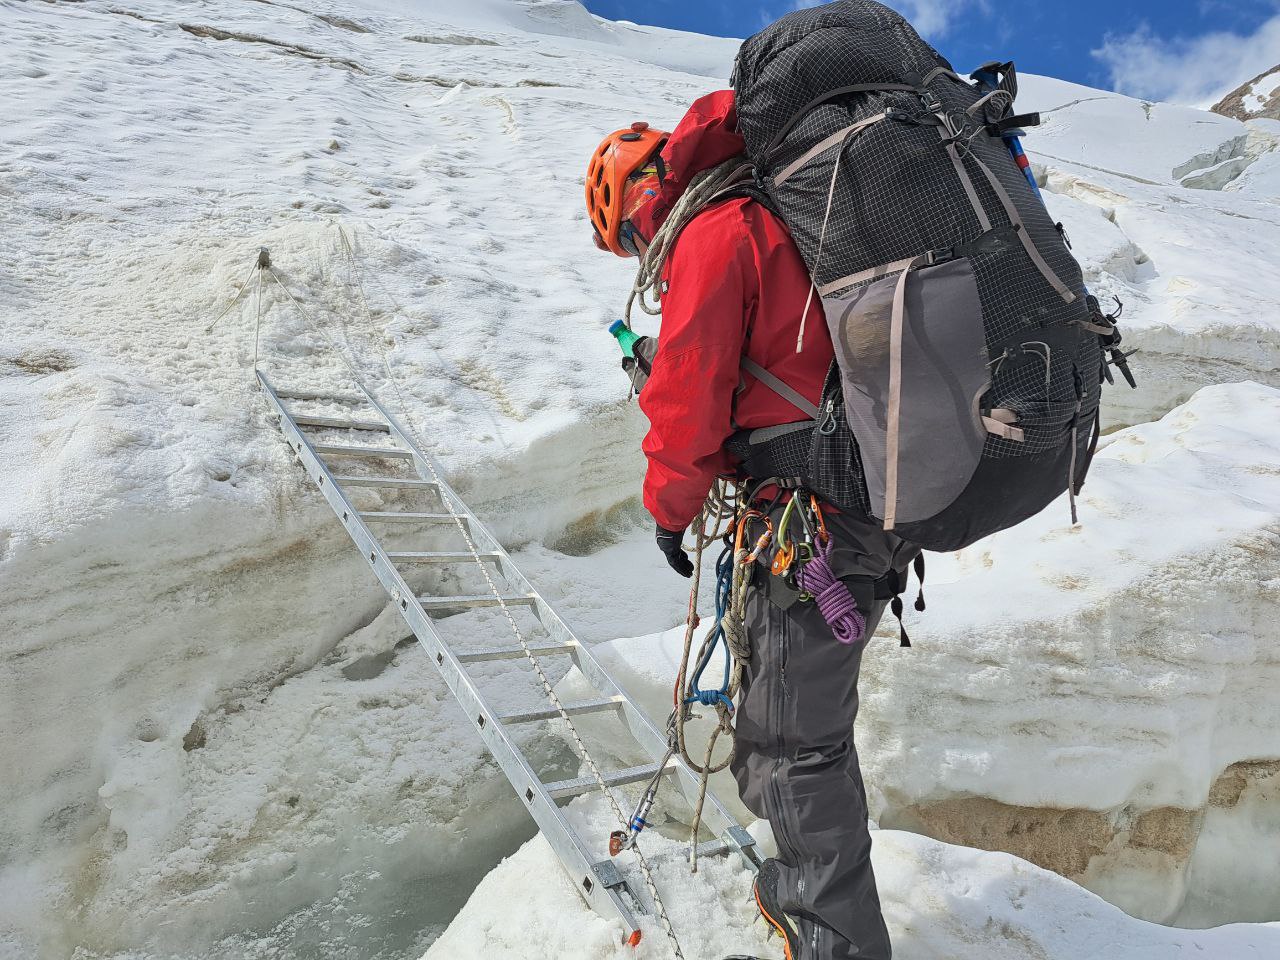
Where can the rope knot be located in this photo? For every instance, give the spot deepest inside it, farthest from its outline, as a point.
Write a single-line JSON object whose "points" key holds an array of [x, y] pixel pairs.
{"points": [[711, 698], [835, 602]]}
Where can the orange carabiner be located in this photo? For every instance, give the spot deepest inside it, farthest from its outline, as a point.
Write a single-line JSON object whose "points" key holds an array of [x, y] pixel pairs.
{"points": [[783, 559], [742, 527], [823, 535], [761, 545]]}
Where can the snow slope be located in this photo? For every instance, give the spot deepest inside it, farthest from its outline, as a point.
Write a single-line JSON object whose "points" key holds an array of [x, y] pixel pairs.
{"points": [[939, 901], [195, 768], [220, 749], [1145, 190]]}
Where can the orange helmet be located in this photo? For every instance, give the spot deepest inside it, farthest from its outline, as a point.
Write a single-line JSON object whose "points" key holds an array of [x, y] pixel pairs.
{"points": [[623, 154]]}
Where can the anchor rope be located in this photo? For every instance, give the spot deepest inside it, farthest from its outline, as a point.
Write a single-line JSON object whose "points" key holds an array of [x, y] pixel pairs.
{"points": [[458, 519], [234, 300]]}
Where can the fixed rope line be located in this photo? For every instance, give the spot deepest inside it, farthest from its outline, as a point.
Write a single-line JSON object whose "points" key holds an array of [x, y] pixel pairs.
{"points": [[234, 300], [356, 267], [257, 323], [328, 339], [548, 688]]}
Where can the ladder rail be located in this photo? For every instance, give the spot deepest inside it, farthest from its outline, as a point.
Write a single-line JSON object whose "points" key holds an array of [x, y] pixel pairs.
{"points": [[646, 732], [599, 882]]}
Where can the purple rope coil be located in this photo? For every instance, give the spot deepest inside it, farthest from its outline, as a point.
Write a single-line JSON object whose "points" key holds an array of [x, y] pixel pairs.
{"points": [[832, 595]]}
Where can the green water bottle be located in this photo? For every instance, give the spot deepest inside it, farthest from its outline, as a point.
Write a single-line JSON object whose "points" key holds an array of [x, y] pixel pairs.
{"points": [[626, 337]]}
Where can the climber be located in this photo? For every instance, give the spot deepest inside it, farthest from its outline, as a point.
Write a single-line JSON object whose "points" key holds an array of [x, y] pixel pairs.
{"points": [[734, 286]]}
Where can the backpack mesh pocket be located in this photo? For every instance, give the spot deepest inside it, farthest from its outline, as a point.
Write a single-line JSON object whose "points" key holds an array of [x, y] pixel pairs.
{"points": [[835, 471]]}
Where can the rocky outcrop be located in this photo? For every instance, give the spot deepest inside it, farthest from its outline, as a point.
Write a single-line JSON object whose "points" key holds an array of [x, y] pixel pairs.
{"points": [[1259, 99]]}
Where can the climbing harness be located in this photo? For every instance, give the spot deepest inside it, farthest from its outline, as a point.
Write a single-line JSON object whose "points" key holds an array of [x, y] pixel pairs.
{"points": [[730, 515]]}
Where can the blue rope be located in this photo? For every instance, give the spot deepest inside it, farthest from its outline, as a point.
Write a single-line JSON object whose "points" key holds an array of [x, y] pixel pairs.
{"points": [[724, 593]]}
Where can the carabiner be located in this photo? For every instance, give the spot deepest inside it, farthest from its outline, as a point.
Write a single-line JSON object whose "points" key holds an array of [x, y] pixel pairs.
{"points": [[808, 530], [786, 552], [783, 558], [824, 537], [761, 545]]}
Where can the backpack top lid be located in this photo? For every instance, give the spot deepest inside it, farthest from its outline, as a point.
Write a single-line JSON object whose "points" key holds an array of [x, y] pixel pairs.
{"points": [[809, 53]]}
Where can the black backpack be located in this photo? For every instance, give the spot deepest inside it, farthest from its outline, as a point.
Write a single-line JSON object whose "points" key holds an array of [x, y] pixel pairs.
{"points": [[969, 356]]}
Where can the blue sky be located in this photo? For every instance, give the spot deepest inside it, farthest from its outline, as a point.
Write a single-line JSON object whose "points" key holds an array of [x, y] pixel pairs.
{"points": [[1189, 51]]}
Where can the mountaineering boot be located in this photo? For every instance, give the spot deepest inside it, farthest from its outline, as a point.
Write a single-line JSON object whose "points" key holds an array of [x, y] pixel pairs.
{"points": [[766, 892]]}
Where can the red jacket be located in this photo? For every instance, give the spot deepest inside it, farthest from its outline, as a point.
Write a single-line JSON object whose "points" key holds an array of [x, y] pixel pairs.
{"points": [[735, 284]]}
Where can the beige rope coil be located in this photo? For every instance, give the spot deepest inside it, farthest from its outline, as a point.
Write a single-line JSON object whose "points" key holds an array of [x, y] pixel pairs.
{"points": [[719, 510], [703, 190]]}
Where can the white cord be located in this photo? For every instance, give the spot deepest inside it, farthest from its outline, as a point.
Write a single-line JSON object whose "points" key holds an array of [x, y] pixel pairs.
{"points": [[458, 520], [234, 301]]}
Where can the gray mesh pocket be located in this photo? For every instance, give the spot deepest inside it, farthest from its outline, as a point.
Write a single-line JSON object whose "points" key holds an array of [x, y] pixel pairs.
{"points": [[942, 358], [1045, 426], [835, 462]]}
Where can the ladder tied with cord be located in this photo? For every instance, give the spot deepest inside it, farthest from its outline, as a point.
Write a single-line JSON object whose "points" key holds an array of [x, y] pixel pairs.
{"points": [[603, 885]]}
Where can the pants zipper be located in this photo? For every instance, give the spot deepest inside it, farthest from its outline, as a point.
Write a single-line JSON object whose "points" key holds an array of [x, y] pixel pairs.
{"points": [[780, 828]]}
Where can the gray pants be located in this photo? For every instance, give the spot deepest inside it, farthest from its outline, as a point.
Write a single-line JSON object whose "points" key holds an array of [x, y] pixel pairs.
{"points": [[796, 763]]}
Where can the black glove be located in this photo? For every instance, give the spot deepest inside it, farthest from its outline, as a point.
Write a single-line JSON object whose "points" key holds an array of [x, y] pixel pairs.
{"points": [[669, 542]]}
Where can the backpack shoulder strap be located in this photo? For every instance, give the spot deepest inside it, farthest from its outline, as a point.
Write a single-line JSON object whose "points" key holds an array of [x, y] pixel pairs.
{"points": [[749, 190]]}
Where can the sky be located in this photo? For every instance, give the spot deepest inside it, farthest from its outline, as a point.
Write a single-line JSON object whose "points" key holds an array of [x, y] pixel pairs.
{"points": [[1184, 51]]}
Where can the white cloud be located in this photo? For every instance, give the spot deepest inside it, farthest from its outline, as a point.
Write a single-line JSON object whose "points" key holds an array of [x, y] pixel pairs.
{"points": [[1197, 70], [931, 18]]}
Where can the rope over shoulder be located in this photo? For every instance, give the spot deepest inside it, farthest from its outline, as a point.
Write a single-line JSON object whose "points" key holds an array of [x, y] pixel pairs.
{"points": [[705, 189]]}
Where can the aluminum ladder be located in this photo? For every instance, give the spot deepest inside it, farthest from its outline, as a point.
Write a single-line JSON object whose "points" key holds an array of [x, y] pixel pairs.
{"points": [[601, 883]]}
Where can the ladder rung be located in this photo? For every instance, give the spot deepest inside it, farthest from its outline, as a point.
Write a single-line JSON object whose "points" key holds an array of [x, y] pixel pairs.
{"points": [[706, 849], [394, 516], [456, 556], [341, 423], [343, 450], [573, 709], [483, 600], [404, 484], [565, 789], [316, 395], [515, 653]]}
